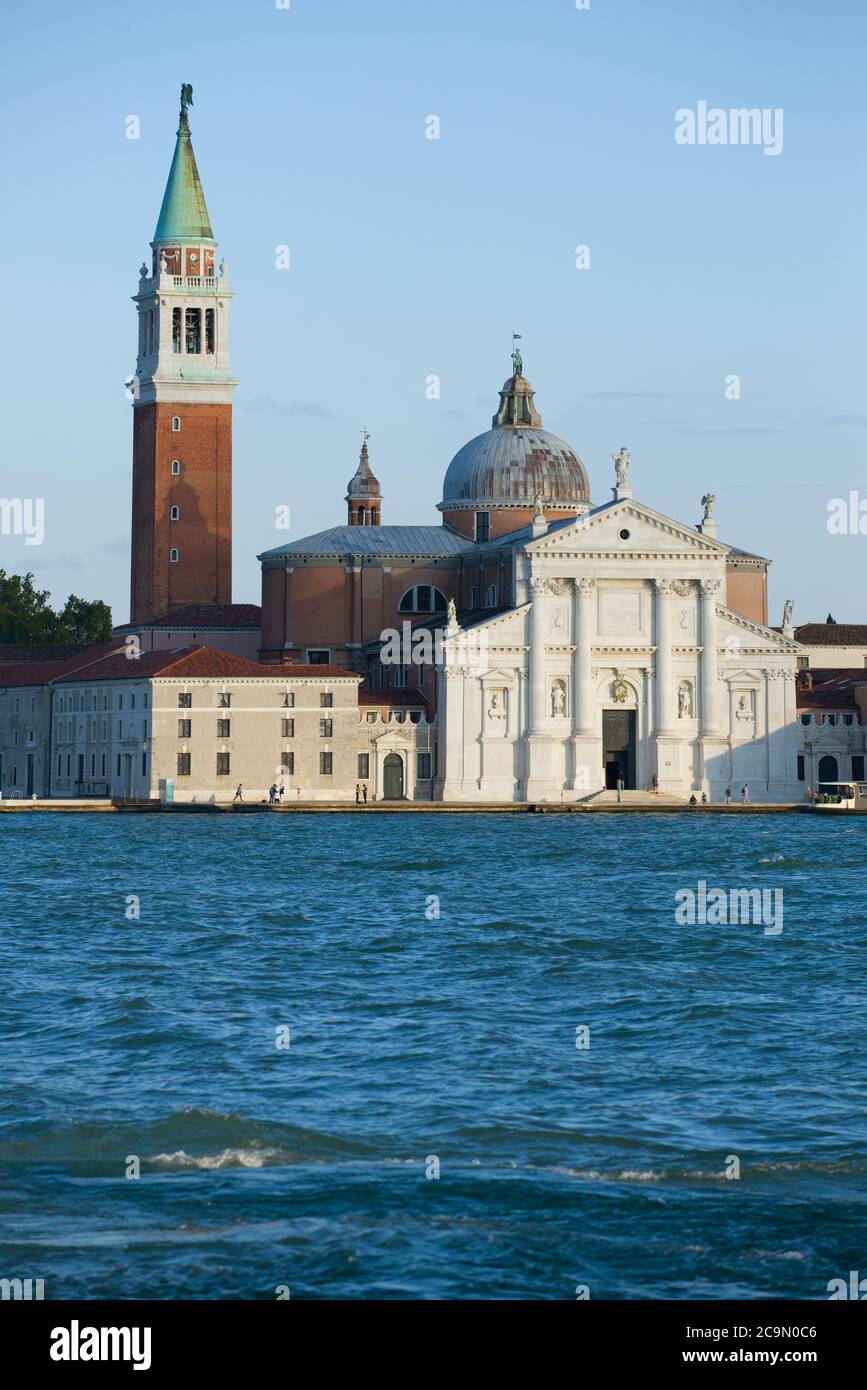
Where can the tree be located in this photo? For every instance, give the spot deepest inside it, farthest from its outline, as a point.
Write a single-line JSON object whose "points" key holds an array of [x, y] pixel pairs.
{"points": [[83, 621], [26, 615], [24, 612]]}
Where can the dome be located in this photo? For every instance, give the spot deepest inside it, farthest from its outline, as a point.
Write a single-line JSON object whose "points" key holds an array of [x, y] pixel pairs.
{"points": [[515, 461]]}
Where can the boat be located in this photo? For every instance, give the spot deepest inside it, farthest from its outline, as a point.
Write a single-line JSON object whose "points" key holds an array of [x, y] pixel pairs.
{"points": [[832, 797]]}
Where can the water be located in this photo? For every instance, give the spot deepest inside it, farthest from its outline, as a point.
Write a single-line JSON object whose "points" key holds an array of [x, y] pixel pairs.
{"points": [[413, 1038]]}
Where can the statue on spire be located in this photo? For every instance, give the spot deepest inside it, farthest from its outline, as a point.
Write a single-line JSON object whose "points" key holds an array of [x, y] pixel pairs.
{"points": [[517, 362], [186, 98], [621, 463]]}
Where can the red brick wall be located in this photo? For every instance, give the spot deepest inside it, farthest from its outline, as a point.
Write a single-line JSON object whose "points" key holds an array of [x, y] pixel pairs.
{"points": [[747, 594], [203, 492]]}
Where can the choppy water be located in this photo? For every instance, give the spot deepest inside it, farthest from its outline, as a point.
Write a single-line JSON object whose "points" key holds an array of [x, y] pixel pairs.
{"points": [[414, 1037]]}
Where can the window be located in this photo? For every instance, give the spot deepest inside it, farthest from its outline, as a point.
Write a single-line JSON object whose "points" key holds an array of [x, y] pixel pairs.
{"points": [[287, 729], [93, 764], [423, 767], [68, 761], [119, 702], [184, 761], [325, 728], [805, 719], [224, 728], [144, 701], [102, 768], [316, 656], [60, 764], [288, 699], [803, 663], [422, 598], [174, 514], [224, 699], [325, 764], [193, 330], [132, 702], [326, 699], [287, 763], [364, 765], [185, 699], [400, 679], [473, 596], [176, 467], [491, 597], [173, 556], [848, 720], [858, 767], [222, 764], [800, 767], [209, 330], [371, 716], [483, 526], [176, 419], [176, 345], [830, 719]]}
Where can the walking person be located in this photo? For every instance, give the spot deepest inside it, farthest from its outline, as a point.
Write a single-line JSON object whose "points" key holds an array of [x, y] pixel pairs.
{"points": [[728, 796], [654, 784], [239, 794], [745, 794]]}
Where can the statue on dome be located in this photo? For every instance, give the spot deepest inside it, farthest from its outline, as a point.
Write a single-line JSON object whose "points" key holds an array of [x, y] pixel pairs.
{"points": [[621, 462], [708, 503], [517, 362]]}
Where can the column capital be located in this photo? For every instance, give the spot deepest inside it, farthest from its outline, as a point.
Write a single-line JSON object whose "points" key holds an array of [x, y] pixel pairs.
{"points": [[710, 588], [584, 586], [664, 587]]}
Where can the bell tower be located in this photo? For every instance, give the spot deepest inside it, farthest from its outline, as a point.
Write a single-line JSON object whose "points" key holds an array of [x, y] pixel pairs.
{"points": [[182, 405], [363, 494]]}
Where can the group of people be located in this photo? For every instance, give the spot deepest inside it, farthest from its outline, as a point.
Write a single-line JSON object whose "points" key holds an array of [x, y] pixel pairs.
{"points": [[703, 801], [361, 793], [276, 794]]}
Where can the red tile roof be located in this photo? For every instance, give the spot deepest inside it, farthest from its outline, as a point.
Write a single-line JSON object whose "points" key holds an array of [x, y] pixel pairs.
{"points": [[38, 651], [196, 662], [833, 688], [198, 616], [392, 699], [832, 634], [42, 672]]}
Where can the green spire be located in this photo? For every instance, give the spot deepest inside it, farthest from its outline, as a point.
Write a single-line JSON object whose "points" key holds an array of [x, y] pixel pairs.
{"points": [[184, 215]]}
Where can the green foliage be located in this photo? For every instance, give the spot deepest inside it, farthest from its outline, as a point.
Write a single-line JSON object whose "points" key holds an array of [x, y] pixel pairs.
{"points": [[26, 615]]}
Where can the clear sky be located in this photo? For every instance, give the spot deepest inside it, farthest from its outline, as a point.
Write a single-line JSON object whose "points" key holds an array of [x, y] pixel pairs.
{"points": [[412, 257]]}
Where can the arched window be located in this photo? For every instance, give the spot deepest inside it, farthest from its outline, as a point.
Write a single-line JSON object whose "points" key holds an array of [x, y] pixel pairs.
{"points": [[374, 516], [828, 769], [175, 514], [361, 516], [422, 598], [176, 423], [174, 556], [176, 466], [491, 597]]}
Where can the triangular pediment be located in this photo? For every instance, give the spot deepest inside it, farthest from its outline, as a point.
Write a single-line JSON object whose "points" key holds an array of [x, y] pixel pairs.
{"points": [[750, 634], [598, 533]]}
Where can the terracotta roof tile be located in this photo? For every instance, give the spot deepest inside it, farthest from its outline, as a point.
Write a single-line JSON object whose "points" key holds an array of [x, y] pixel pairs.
{"points": [[832, 634], [203, 615]]}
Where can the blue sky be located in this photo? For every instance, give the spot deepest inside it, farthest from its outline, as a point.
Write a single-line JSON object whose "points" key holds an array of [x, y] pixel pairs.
{"points": [[412, 257]]}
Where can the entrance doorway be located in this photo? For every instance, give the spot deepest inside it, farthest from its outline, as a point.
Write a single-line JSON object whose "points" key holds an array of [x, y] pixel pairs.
{"points": [[618, 747], [828, 769], [392, 777]]}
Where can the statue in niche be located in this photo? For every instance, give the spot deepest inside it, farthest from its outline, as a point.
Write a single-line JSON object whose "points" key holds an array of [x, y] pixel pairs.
{"points": [[621, 465], [558, 700], [684, 701], [745, 708], [495, 708]]}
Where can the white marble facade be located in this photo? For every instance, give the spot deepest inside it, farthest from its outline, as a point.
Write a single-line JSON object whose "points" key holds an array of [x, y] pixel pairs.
{"points": [[621, 611]]}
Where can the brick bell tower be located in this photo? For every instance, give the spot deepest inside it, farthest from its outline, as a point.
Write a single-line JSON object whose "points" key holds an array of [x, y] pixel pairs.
{"points": [[182, 407]]}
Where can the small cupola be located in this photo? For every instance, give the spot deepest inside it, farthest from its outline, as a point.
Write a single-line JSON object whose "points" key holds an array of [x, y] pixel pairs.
{"points": [[363, 494]]}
